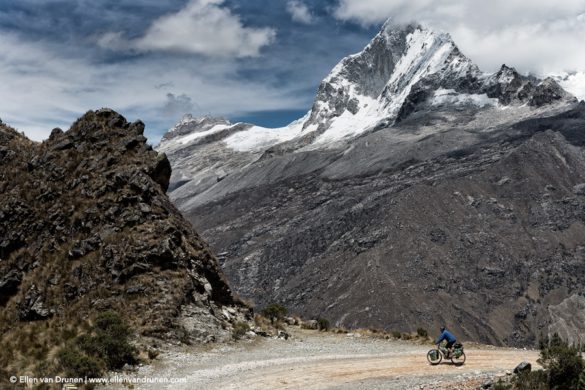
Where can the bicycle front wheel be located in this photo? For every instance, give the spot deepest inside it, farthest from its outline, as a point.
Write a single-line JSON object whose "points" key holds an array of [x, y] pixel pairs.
{"points": [[434, 356]]}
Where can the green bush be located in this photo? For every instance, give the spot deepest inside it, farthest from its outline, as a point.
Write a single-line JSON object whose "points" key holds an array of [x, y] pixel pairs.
{"points": [[533, 380], [563, 368], [323, 324], [111, 322], [105, 347], [240, 329], [563, 363], [274, 312], [421, 332], [109, 341], [396, 334], [76, 364]]}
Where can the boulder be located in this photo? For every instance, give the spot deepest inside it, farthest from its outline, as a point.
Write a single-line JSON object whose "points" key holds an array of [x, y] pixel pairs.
{"points": [[579, 189], [523, 367], [32, 308]]}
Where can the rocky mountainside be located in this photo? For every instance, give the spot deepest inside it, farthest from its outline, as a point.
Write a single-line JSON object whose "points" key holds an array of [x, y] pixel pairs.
{"points": [[86, 226], [418, 191]]}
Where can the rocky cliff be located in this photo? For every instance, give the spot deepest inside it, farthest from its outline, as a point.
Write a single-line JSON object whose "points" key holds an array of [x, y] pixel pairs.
{"points": [[86, 226]]}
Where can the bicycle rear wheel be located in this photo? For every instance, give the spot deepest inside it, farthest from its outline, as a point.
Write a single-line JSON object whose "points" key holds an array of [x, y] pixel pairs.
{"points": [[457, 359]]}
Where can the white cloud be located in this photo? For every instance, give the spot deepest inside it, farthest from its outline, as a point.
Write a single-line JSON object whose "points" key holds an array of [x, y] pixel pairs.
{"points": [[299, 11], [113, 41], [538, 36], [42, 89], [201, 27], [177, 106]]}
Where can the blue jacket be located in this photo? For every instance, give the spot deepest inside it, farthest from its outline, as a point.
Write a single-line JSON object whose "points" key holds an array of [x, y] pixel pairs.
{"points": [[446, 335]]}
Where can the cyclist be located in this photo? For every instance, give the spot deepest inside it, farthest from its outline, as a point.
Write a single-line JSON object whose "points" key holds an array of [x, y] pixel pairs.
{"points": [[451, 340]]}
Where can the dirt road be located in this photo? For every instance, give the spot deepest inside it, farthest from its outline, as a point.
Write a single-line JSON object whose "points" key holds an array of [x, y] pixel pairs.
{"points": [[350, 371], [324, 361]]}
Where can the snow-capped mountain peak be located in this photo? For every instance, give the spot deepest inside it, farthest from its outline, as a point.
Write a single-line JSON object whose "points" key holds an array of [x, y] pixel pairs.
{"points": [[401, 71], [373, 85], [428, 54], [190, 125], [407, 84]]}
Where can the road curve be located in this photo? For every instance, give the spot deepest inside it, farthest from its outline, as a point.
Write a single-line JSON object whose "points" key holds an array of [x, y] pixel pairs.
{"points": [[317, 360], [325, 373]]}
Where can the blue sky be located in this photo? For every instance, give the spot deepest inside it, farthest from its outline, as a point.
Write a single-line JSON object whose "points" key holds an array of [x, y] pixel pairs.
{"points": [[253, 60], [54, 47]]}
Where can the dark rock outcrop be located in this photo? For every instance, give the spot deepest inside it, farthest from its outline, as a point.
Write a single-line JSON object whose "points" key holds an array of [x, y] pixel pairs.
{"points": [[523, 367], [86, 226], [32, 307]]}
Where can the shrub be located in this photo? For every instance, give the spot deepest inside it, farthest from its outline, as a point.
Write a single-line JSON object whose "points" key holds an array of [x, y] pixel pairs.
{"points": [[564, 363], [563, 368], [68, 334], [581, 382], [105, 347], [323, 324], [311, 324], [76, 364], [109, 341], [532, 380], [240, 329], [152, 354], [274, 312], [261, 321], [111, 322], [501, 386], [421, 332], [396, 334]]}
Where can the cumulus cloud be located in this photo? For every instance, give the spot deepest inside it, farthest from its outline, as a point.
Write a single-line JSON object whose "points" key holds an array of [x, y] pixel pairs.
{"points": [[43, 89], [176, 106], [201, 27], [533, 35], [299, 12]]}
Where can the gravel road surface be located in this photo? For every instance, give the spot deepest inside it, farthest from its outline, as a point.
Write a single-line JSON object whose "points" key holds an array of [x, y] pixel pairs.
{"points": [[316, 360]]}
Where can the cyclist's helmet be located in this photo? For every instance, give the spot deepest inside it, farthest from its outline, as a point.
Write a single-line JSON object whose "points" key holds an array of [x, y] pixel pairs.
{"points": [[442, 329]]}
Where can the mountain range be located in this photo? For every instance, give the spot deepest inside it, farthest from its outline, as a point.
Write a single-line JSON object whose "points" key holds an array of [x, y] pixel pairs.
{"points": [[417, 191]]}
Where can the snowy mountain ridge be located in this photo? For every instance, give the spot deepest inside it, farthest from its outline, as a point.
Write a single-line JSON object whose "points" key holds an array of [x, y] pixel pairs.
{"points": [[375, 87], [403, 71]]}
